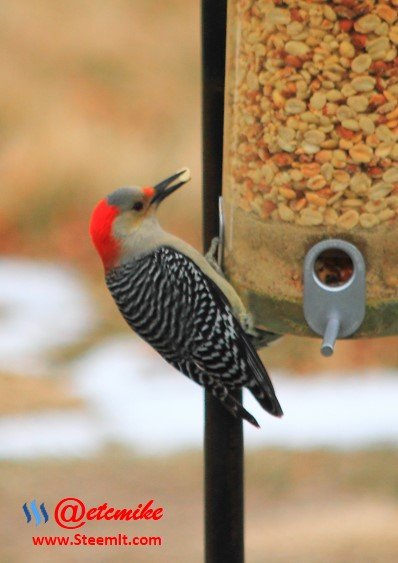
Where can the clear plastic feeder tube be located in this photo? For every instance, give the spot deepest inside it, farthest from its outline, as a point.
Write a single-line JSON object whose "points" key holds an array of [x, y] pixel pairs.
{"points": [[311, 151]]}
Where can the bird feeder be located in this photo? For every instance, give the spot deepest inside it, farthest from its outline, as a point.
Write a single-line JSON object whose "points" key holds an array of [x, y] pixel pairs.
{"points": [[310, 178]]}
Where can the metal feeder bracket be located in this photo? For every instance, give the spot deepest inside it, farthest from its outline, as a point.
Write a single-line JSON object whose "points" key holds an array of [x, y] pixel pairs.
{"points": [[221, 230]]}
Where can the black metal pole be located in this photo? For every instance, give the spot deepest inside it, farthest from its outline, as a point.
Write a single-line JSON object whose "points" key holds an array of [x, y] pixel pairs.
{"points": [[224, 528]]}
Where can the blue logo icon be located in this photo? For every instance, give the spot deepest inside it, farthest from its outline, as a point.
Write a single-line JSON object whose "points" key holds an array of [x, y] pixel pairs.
{"points": [[39, 518]]}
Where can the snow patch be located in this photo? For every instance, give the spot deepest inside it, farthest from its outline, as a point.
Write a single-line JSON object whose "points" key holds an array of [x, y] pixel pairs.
{"points": [[42, 306], [135, 399]]}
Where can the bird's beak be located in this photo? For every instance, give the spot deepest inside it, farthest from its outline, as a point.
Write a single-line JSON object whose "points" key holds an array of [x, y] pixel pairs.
{"points": [[170, 185]]}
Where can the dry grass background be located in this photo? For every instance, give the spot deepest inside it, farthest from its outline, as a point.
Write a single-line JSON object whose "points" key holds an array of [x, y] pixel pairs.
{"points": [[301, 507], [96, 95]]}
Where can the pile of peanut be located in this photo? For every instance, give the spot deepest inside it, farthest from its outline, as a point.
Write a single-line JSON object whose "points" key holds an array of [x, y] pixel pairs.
{"points": [[314, 111]]}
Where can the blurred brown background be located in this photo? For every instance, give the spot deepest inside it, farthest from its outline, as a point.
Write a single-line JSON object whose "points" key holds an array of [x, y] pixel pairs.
{"points": [[100, 94]]}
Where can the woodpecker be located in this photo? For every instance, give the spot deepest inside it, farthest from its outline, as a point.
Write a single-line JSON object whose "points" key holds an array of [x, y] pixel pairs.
{"points": [[173, 298]]}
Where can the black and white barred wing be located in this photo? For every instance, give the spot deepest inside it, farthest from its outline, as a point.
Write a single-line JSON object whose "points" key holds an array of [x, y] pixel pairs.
{"points": [[257, 379], [167, 299]]}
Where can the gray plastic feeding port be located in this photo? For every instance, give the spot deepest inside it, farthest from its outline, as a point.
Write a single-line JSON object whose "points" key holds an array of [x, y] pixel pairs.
{"points": [[334, 291]]}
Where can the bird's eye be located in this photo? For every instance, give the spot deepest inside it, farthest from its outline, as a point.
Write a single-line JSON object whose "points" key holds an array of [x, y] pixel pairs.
{"points": [[138, 206]]}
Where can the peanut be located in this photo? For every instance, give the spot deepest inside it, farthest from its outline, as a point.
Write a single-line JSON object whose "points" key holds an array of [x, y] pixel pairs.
{"points": [[314, 127]]}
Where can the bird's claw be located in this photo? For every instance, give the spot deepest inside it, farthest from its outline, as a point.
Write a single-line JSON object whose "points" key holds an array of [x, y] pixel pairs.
{"points": [[211, 256], [264, 338], [258, 337]]}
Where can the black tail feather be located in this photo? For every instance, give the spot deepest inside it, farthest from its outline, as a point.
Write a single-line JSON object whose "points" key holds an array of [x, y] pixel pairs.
{"points": [[267, 400], [232, 405]]}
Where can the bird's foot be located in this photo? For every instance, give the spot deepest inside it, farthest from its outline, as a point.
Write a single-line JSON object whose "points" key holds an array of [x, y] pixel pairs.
{"points": [[264, 338], [211, 256], [258, 337]]}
